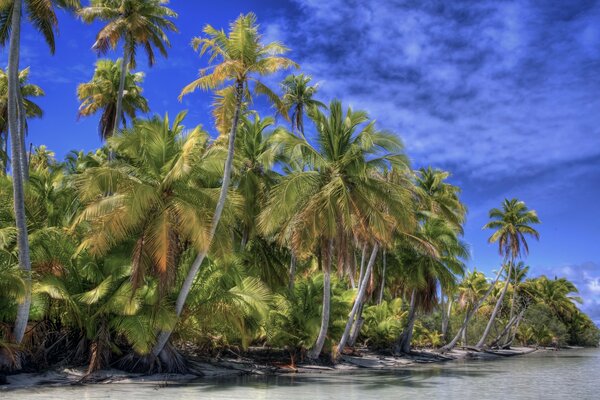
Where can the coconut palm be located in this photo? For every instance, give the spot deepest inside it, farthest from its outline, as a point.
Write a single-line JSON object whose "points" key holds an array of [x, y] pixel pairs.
{"points": [[102, 94], [256, 156], [298, 97], [243, 56], [439, 197], [32, 110], [511, 223], [314, 210], [136, 23], [426, 271], [162, 187], [42, 15]]}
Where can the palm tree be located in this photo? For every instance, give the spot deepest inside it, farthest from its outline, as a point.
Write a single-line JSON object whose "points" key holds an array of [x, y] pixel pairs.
{"points": [[43, 17], [102, 93], [32, 110], [298, 97], [138, 23], [162, 190], [472, 292], [256, 156], [243, 56], [519, 273], [511, 223], [315, 209], [426, 271]]}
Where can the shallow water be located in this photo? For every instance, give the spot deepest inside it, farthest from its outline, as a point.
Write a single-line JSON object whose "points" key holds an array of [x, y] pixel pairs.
{"points": [[571, 374]]}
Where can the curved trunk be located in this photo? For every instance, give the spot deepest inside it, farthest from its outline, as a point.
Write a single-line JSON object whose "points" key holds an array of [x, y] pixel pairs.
{"points": [[362, 264], [405, 338], [488, 327], [22, 132], [384, 262], [17, 169], [119, 110], [164, 336], [469, 314], [506, 330], [318, 347], [362, 288]]}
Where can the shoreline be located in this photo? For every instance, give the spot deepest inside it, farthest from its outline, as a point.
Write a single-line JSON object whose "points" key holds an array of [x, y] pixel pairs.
{"points": [[234, 367]]}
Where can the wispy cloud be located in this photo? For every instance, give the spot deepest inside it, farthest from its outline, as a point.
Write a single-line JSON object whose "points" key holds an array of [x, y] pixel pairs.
{"points": [[514, 83]]}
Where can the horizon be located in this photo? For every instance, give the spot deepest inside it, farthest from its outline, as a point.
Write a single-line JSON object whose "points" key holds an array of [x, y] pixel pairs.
{"points": [[508, 107]]}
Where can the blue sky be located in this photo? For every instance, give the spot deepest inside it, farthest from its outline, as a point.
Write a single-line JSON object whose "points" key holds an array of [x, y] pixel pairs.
{"points": [[504, 94]]}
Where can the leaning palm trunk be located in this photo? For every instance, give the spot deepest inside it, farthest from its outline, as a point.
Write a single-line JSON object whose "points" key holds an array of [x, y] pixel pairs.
{"points": [[17, 169], [405, 338], [506, 330], [164, 336], [318, 347], [446, 318], [490, 323], [384, 262], [362, 288], [119, 109], [468, 316]]}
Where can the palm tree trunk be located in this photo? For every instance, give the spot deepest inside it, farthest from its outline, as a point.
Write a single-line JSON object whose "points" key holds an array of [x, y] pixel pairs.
{"points": [[384, 261], [119, 110], [318, 347], [405, 338], [17, 169], [362, 264], [512, 303], [292, 272], [469, 314], [362, 288], [195, 267], [486, 332], [446, 310], [22, 133], [506, 330]]}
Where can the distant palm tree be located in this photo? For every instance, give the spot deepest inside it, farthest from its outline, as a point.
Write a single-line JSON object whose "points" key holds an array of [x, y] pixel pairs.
{"points": [[32, 110], [298, 97], [102, 93], [511, 223], [42, 15], [243, 56], [426, 271], [137, 23]]}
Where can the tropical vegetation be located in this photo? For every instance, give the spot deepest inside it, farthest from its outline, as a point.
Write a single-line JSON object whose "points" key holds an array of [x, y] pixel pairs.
{"points": [[307, 230]]}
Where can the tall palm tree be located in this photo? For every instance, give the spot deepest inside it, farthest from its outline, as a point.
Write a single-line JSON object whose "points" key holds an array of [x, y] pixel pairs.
{"points": [[511, 223], [137, 23], [243, 56], [102, 93], [256, 156], [315, 209], [298, 97], [32, 110], [42, 15]]}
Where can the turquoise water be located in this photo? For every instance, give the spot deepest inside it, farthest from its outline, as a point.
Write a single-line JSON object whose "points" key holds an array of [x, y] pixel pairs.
{"points": [[571, 374]]}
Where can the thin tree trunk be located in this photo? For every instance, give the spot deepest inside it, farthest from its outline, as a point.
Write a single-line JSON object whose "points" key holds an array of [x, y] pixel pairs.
{"points": [[357, 326], [22, 133], [384, 261], [506, 330], [362, 287], [17, 169], [468, 315], [464, 337], [486, 332], [514, 332], [195, 267], [512, 302], [446, 310], [119, 110], [362, 264], [318, 347], [292, 272], [405, 338]]}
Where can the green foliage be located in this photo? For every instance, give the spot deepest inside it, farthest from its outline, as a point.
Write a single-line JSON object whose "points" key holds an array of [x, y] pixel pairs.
{"points": [[383, 323]]}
